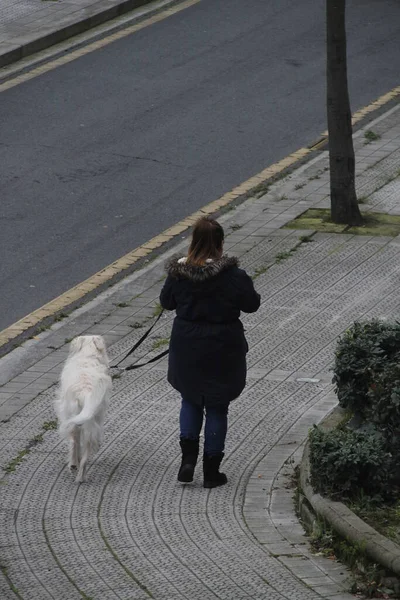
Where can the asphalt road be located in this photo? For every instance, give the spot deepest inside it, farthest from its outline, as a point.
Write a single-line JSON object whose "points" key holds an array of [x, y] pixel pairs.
{"points": [[99, 155]]}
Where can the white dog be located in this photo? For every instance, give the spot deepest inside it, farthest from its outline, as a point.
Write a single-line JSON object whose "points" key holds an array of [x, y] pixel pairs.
{"points": [[83, 399]]}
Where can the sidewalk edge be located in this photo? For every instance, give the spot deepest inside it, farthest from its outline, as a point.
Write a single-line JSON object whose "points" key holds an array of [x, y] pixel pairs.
{"points": [[74, 28]]}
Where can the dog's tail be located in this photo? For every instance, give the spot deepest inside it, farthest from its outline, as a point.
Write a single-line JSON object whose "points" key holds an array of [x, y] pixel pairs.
{"points": [[92, 402]]}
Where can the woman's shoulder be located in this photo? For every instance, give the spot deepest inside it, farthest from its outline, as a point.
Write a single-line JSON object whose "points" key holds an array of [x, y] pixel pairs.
{"points": [[236, 275]]}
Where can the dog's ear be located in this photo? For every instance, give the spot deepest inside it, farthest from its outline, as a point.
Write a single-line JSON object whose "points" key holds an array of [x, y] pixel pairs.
{"points": [[99, 343], [76, 344]]}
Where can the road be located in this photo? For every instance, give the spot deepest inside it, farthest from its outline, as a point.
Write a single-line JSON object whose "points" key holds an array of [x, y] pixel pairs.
{"points": [[101, 154]]}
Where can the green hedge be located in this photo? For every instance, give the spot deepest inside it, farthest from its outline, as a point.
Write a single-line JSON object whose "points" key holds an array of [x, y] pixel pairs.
{"points": [[363, 353], [348, 464]]}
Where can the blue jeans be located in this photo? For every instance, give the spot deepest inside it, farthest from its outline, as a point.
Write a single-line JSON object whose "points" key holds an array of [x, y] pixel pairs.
{"points": [[191, 421]]}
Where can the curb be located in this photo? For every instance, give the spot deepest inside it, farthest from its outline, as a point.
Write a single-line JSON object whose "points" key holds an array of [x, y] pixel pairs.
{"points": [[342, 520], [107, 11]]}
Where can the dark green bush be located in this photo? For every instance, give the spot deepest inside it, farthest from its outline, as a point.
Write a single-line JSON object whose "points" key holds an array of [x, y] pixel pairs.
{"points": [[363, 353], [384, 398], [345, 463]]}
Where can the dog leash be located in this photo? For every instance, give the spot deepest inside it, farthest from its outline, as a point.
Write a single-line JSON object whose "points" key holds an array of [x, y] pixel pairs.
{"points": [[135, 346]]}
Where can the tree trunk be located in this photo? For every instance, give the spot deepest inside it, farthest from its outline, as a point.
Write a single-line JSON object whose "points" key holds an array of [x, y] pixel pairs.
{"points": [[344, 205]]}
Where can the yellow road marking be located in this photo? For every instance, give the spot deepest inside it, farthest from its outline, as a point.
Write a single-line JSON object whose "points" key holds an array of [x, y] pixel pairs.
{"points": [[381, 101], [360, 114], [63, 60]]}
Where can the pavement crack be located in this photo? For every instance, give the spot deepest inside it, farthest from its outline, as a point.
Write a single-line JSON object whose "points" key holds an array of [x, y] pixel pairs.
{"points": [[60, 566], [13, 588], [149, 159], [141, 585]]}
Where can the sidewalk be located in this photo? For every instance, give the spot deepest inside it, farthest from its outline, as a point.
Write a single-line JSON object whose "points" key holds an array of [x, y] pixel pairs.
{"points": [[28, 26], [132, 532]]}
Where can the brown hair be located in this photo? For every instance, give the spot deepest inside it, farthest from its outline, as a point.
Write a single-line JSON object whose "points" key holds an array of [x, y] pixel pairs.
{"points": [[207, 239]]}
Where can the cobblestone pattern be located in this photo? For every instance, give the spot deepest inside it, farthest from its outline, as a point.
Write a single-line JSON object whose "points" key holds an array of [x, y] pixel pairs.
{"points": [[132, 532]]}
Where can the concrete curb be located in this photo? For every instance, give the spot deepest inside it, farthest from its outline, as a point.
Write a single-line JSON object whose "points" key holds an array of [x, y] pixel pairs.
{"points": [[80, 21], [342, 520]]}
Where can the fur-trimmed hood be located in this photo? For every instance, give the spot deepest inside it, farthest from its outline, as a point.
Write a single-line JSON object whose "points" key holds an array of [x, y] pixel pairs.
{"points": [[178, 267]]}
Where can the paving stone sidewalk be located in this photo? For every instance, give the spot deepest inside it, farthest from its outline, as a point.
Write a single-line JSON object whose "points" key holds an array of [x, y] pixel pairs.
{"points": [[132, 532], [27, 26]]}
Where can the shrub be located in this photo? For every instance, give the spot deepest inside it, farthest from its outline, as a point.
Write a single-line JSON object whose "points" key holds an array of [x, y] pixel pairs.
{"points": [[362, 354], [350, 463], [384, 398], [346, 463]]}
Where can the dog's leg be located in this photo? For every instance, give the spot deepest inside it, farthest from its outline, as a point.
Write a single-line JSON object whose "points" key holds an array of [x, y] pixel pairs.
{"points": [[74, 451], [87, 447], [81, 477], [78, 445]]}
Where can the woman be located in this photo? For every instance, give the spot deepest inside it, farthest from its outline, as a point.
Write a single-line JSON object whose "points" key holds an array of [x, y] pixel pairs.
{"points": [[207, 358]]}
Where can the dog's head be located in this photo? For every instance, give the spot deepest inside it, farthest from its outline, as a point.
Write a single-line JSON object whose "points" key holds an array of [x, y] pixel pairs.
{"points": [[90, 345]]}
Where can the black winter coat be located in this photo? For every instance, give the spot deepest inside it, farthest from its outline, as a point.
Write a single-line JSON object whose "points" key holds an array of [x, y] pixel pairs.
{"points": [[207, 357]]}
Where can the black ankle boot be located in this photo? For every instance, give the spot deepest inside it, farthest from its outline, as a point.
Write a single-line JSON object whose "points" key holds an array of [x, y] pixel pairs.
{"points": [[190, 452], [212, 477]]}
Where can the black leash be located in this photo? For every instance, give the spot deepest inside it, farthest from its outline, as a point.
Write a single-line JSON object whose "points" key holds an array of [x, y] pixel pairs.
{"points": [[154, 359], [135, 346]]}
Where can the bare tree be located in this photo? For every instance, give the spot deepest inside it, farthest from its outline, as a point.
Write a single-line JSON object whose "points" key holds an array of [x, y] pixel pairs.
{"points": [[344, 205]]}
